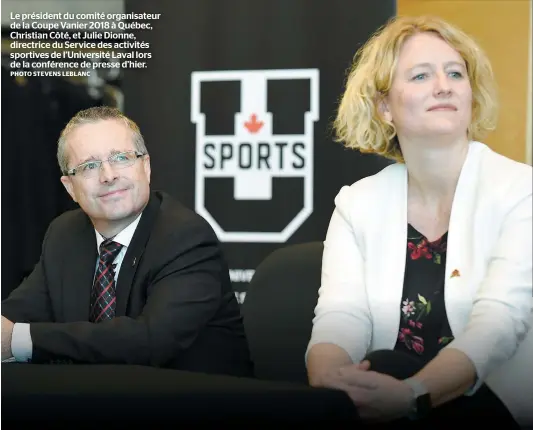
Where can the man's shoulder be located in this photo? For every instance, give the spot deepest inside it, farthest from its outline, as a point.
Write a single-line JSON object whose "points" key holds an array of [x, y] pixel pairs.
{"points": [[70, 221], [175, 217], [69, 228], [172, 209]]}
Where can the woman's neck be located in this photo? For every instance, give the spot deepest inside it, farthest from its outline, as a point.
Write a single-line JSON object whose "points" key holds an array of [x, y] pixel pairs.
{"points": [[434, 168]]}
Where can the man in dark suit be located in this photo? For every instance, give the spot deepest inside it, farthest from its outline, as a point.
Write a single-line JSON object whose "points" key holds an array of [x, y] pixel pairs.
{"points": [[132, 276]]}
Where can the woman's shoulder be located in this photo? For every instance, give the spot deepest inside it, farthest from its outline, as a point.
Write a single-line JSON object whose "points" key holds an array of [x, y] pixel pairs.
{"points": [[501, 172], [370, 193], [391, 174]]}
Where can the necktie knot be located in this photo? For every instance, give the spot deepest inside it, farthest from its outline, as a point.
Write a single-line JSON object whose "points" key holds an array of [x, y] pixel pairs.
{"points": [[109, 250]]}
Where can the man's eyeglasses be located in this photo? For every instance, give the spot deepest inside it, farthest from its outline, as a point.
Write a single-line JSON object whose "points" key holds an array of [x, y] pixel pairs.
{"points": [[118, 161]]}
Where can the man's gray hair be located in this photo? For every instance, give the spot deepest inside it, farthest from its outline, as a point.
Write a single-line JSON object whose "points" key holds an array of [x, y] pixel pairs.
{"points": [[91, 116]]}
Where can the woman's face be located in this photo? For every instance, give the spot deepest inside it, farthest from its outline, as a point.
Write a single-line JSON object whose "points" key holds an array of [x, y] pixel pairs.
{"points": [[430, 94]]}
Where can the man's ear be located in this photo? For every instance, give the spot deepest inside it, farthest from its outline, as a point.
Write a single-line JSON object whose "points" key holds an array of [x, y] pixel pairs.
{"points": [[383, 107], [67, 183], [146, 166]]}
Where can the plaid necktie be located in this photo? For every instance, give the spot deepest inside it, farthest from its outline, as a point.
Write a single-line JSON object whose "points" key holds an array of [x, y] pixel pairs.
{"points": [[103, 299]]}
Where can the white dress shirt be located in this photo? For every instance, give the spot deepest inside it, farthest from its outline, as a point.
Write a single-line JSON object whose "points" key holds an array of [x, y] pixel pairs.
{"points": [[21, 343]]}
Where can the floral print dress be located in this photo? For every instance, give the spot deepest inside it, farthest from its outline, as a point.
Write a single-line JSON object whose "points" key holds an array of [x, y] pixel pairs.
{"points": [[424, 327]]}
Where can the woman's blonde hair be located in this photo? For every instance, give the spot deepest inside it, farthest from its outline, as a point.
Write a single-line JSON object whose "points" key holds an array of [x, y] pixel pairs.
{"points": [[359, 124]]}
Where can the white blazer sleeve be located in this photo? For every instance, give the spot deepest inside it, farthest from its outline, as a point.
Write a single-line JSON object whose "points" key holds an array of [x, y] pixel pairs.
{"points": [[342, 315], [502, 307]]}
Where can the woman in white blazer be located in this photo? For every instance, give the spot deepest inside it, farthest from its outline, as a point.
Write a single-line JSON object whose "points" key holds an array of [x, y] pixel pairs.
{"points": [[425, 304]]}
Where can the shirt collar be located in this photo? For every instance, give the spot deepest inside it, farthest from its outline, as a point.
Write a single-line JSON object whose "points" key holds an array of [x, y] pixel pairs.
{"points": [[124, 237]]}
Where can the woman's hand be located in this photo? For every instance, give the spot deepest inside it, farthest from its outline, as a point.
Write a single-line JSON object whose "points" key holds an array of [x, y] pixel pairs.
{"points": [[378, 397]]}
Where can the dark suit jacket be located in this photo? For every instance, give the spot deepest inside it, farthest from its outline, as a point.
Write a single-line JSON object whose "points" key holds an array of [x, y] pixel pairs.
{"points": [[175, 304]]}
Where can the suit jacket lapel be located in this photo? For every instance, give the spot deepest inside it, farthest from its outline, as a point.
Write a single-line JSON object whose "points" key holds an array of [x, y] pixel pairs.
{"points": [[459, 256], [134, 254], [79, 275]]}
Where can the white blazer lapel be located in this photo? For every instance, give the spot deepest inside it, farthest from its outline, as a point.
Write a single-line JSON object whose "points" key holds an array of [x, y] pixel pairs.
{"points": [[460, 278], [387, 254], [388, 251]]}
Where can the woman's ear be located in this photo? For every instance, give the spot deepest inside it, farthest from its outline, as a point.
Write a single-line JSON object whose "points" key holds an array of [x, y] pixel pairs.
{"points": [[383, 107]]}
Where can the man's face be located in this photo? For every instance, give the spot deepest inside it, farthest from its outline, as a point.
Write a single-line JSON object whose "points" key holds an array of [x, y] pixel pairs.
{"points": [[109, 194]]}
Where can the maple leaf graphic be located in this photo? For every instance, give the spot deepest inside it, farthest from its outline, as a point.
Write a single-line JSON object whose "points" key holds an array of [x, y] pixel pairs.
{"points": [[253, 125]]}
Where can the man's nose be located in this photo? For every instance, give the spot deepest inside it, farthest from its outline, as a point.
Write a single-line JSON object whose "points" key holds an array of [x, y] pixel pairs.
{"points": [[107, 173]]}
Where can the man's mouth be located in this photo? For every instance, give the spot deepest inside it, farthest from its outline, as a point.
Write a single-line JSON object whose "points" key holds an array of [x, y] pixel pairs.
{"points": [[113, 193]]}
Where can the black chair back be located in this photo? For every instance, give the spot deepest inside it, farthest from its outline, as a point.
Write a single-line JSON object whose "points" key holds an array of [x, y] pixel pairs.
{"points": [[279, 308]]}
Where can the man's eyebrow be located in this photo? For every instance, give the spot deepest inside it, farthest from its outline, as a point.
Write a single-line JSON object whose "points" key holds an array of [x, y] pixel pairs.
{"points": [[91, 158], [94, 158]]}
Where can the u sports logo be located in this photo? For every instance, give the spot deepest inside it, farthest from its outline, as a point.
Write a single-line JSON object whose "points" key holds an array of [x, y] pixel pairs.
{"points": [[243, 176]]}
